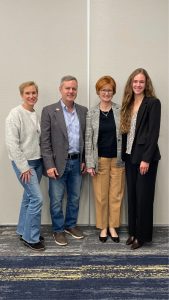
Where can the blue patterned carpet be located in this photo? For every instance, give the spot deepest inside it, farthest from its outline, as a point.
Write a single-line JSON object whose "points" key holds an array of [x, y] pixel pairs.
{"points": [[88, 277]]}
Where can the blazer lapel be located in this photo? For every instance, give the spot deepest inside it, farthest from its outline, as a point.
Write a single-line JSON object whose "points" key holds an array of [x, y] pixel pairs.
{"points": [[60, 118], [79, 114], [96, 118], [141, 113]]}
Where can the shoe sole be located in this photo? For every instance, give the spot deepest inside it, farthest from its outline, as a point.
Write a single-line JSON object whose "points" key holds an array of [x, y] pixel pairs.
{"points": [[75, 236], [60, 244], [34, 249]]}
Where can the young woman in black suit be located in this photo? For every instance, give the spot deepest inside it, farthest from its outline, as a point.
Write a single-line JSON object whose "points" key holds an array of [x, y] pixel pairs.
{"points": [[140, 125]]}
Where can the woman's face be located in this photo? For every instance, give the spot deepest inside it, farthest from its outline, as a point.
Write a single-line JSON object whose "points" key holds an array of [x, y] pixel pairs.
{"points": [[29, 96], [106, 93], [138, 84]]}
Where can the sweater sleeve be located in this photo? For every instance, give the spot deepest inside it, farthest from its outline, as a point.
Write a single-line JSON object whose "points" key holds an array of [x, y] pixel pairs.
{"points": [[12, 135]]}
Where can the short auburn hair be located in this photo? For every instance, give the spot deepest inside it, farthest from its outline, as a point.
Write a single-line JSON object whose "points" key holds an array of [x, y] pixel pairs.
{"points": [[103, 81]]}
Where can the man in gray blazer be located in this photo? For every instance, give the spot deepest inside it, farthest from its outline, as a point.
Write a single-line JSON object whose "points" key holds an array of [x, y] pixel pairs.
{"points": [[62, 146]]}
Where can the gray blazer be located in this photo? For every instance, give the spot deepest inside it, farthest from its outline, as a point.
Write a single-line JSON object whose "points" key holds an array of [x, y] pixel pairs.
{"points": [[91, 136], [54, 137]]}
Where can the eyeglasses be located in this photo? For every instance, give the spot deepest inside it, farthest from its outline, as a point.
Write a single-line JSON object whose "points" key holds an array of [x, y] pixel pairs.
{"points": [[106, 91]]}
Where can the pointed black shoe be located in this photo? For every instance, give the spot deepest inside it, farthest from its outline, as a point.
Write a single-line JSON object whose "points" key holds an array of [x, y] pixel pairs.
{"points": [[136, 244], [130, 240], [115, 239], [103, 239]]}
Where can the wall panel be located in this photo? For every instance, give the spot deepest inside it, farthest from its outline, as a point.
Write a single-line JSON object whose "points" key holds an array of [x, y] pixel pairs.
{"points": [[43, 40]]}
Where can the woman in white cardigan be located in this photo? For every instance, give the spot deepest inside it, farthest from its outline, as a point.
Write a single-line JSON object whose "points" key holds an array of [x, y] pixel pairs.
{"points": [[103, 159], [22, 140]]}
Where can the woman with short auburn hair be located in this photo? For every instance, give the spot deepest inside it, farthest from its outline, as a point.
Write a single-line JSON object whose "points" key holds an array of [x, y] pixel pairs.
{"points": [[103, 159]]}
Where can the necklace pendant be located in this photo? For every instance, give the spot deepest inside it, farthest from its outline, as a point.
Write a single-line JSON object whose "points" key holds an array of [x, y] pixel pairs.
{"points": [[105, 114]]}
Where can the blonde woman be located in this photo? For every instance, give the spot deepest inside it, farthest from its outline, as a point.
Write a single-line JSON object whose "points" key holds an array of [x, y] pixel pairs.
{"points": [[22, 140], [103, 159]]}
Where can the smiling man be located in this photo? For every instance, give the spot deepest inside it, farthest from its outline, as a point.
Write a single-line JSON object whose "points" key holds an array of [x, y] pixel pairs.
{"points": [[62, 146]]}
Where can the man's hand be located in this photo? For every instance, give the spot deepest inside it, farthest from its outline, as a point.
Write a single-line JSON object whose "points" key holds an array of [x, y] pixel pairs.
{"points": [[83, 168], [52, 173]]}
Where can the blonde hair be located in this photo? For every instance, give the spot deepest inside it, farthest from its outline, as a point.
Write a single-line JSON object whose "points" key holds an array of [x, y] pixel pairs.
{"points": [[128, 98], [26, 84]]}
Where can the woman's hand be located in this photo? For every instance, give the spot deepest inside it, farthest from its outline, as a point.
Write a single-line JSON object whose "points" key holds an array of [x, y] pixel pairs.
{"points": [[26, 176], [144, 167], [91, 171]]}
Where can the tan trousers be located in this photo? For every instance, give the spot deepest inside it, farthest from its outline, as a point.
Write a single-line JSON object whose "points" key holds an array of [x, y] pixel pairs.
{"points": [[108, 185]]}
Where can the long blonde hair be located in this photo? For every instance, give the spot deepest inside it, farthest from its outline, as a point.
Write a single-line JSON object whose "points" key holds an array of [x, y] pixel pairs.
{"points": [[128, 98]]}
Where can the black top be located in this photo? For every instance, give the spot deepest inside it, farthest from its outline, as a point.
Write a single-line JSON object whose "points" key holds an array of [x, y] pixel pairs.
{"points": [[107, 142]]}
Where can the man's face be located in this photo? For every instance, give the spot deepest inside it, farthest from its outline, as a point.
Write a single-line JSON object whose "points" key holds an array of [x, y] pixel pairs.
{"points": [[68, 90]]}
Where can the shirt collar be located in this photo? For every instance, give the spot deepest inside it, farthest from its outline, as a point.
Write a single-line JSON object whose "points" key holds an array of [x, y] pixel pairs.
{"points": [[65, 107]]}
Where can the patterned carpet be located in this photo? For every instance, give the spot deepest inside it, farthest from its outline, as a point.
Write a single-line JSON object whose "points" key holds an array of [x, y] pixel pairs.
{"points": [[85, 270], [84, 277]]}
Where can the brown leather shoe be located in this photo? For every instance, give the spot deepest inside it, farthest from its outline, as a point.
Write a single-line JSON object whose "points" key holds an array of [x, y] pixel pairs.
{"points": [[60, 238], [130, 240], [136, 244], [75, 232]]}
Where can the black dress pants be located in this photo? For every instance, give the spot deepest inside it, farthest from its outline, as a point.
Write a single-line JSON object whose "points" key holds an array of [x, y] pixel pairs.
{"points": [[141, 189]]}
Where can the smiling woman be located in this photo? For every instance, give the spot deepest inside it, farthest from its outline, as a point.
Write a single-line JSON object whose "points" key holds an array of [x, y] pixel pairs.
{"points": [[22, 140], [29, 93], [103, 159], [140, 125]]}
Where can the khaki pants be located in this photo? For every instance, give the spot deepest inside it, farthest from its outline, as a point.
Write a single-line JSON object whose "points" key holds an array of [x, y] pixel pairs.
{"points": [[108, 185]]}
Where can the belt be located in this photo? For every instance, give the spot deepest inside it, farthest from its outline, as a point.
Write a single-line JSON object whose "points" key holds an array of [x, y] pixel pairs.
{"points": [[73, 155]]}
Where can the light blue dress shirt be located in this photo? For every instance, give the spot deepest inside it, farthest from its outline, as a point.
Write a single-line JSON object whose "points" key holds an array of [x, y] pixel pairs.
{"points": [[73, 128]]}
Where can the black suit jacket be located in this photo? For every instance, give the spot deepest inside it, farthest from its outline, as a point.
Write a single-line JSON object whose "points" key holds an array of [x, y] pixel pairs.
{"points": [[145, 145]]}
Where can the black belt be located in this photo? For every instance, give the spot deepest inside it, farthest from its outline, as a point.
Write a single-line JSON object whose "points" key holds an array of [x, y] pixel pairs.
{"points": [[73, 155]]}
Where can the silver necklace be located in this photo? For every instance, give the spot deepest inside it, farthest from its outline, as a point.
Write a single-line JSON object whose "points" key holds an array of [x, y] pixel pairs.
{"points": [[105, 113]]}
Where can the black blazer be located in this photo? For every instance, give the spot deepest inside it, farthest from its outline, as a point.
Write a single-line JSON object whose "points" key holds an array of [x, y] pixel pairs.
{"points": [[145, 144]]}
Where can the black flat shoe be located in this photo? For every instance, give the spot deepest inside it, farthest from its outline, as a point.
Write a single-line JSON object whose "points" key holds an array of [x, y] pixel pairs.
{"points": [[136, 244], [130, 240], [115, 239], [103, 239]]}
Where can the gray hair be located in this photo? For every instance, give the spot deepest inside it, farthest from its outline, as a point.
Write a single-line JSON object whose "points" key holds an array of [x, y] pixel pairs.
{"points": [[67, 78]]}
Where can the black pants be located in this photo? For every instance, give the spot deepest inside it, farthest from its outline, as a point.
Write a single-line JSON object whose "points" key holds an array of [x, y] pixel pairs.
{"points": [[141, 189]]}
